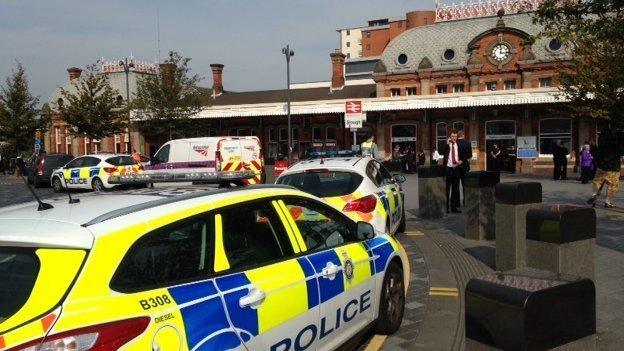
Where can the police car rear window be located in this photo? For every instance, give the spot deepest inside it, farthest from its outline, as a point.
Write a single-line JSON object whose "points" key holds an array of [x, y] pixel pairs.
{"points": [[19, 268], [323, 183], [121, 161]]}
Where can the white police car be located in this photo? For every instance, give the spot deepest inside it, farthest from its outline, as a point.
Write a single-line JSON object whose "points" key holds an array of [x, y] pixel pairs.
{"points": [[92, 171], [171, 269], [359, 186]]}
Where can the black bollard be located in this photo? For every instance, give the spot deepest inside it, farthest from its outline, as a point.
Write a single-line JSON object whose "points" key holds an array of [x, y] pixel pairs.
{"points": [[480, 224], [561, 239], [513, 201], [431, 191], [530, 309]]}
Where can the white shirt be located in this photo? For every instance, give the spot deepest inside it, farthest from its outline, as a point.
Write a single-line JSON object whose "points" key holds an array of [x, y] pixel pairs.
{"points": [[453, 150]]}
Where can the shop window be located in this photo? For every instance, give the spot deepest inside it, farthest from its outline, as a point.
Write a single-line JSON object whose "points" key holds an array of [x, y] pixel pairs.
{"points": [[330, 133], [295, 134], [212, 132], [441, 89], [553, 131], [440, 135], [491, 86], [244, 132], [395, 92], [316, 133], [510, 84], [272, 135], [457, 126], [411, 91], [458, 88], [545, 82], [283, 134]]}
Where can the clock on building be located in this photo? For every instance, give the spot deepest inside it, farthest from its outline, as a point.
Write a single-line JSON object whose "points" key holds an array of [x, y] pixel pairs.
{"points": [[500, 52]]}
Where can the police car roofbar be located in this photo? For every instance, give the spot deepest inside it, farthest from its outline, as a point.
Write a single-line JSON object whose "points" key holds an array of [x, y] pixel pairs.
{"points": [[170, 177], [160, 202]]}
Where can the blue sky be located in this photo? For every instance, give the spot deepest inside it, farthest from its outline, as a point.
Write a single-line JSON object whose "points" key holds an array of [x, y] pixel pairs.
{"points": [[246, 36]]}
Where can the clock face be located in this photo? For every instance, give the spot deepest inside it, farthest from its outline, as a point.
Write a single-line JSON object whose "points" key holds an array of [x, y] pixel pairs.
{"points": [[500, 52]]}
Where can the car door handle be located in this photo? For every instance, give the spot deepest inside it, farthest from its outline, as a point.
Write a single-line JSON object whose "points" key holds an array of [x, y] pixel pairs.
{"points": [[330, 271], [253, 298]]}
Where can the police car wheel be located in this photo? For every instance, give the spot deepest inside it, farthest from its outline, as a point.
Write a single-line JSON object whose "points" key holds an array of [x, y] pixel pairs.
{"points": [[392, 302], [401, 228], [97, 185], [57, 186]]}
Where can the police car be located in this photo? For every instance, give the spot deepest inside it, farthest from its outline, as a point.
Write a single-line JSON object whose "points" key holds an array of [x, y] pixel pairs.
{"points": [[359, 186], [169, 270], [92, 172]]}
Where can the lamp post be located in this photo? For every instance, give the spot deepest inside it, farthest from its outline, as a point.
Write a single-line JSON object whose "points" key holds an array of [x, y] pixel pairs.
{"points": [[288, 53], [126, 66]]}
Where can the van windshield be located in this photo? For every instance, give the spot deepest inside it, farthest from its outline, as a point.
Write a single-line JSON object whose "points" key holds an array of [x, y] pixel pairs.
{"points": [[19, 268], [323, 183]]}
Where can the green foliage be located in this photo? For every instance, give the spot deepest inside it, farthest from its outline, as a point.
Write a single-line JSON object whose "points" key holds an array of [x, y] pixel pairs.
{"points": [[90, 107], [19, 118], [593, 32], [165, 102]]}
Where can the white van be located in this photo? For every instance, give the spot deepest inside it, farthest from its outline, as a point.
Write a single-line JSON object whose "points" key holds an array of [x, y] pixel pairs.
{"points": [[219, 154]]}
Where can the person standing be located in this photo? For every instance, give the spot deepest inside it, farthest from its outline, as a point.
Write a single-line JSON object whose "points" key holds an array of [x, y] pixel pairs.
{"points": [[421, 157], [495, 158], [586, 163], [369, 148], [136, 156], [453, 160], [560, 161], [465, 153], [608, 162]]}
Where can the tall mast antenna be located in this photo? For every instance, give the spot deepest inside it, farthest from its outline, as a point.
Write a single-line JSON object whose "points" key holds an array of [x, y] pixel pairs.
{"points": [[158, 30]]}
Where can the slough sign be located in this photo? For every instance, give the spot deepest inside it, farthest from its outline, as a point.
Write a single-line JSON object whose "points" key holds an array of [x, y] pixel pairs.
{"points": [[354, 117]]}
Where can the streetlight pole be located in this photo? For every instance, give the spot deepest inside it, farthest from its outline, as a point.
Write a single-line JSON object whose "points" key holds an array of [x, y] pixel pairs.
{"points": [[126, 66], [288, 53]]}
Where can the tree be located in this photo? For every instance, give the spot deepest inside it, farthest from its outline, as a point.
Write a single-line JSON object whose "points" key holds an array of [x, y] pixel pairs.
{"points": [[167, 101], [593, 76], [90, 108], [19, 118]]}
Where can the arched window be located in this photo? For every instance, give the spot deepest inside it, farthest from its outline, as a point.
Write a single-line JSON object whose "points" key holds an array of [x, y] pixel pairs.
{"points": [[458, 126], [552, 131], [440, 135]]}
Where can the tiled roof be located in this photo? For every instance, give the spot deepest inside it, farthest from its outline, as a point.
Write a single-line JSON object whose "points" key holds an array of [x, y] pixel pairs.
{"points": [[431, 41], [269, 96]]}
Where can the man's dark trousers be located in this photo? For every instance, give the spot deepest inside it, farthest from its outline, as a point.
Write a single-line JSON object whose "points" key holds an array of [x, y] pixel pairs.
{"points": [[452, 188]]}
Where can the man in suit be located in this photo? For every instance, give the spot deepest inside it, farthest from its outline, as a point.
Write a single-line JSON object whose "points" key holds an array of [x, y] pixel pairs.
{"points": [[455, 161], [465, 153]]}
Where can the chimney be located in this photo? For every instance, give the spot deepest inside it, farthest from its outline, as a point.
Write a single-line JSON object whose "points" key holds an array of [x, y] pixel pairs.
{"points": [[74, 72], [217, 79], [166, 72], [338, 63]]}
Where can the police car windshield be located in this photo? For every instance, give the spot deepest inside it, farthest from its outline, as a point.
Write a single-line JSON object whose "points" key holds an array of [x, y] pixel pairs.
{"points": [[19, 268], [121, 161], [323, 183]]}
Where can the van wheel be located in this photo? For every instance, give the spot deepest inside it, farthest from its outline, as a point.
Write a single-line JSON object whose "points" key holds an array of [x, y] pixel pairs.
{"points": [[401, 228], [392, 302], [57, 185], [97, 185]]}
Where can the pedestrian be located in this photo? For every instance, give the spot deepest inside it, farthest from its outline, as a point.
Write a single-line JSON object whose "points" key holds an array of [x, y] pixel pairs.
{"points": [[369, 148], [435, 156], [136, 156], [560, 162], [495, 158], [586, 163], [398, 158], [421, 157], [410, 159], [453, 160], [609, 162], [465, 151]]}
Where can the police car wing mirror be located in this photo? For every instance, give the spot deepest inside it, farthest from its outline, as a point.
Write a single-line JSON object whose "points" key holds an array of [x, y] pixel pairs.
{"points": [[365, 231], [399, 178]]}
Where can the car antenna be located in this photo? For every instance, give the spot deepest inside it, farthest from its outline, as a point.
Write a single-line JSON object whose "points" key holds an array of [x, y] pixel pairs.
{"points": [[71, 201], [42, 205]]}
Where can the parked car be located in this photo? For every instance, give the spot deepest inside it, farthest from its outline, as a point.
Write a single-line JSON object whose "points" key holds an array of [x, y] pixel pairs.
{"points": [[92, 172], [40, 170]]}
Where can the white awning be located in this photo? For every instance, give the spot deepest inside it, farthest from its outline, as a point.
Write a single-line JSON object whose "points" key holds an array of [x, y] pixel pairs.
{"points": [[400, 103]]}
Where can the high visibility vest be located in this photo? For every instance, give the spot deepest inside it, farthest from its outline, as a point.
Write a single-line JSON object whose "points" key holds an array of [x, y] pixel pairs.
{"points": [[367, 148]]}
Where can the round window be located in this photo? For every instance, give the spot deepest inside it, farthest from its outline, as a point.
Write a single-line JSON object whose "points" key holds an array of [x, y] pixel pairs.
{"points": [[402, 59], [554, 45], [449, 54]]}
